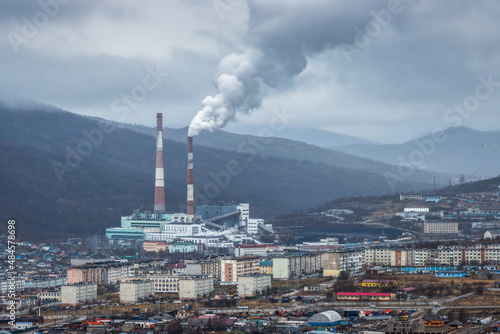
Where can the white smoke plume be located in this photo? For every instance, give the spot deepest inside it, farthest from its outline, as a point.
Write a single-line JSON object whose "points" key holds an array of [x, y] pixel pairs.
{"points": [[238, 90], [281, 36]]}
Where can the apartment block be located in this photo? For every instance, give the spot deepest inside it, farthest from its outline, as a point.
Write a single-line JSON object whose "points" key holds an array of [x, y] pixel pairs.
{"points": [[252, 285], [335, 262], [296, 265], [232, 268], [203, 267], [133, 291], [438, 227], [78, 293], [195, 287]]}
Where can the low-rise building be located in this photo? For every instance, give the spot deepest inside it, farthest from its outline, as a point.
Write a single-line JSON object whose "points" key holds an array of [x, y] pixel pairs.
{"points": [[252, 285], [182, 247], [78, 293], [373, 283], [49, 296], [155, 246], [195, 287], [370, 296], [439, 227], [133, 291], [250, 250]]}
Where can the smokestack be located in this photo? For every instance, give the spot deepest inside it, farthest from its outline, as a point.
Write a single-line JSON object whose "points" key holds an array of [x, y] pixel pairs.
{"points": [[190, 195], [159, 179]]}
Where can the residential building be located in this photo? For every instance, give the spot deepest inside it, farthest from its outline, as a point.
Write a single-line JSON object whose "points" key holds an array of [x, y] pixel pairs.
{"points": [[231, 268], [439, 227], [161, 283], [252, 285], [342, 260], [296, 265], [49, 296], [133, 291], [266, 267], [90, 274], [203, 267], [45, 282], [78, 293], [6, 285], [195, 287], [115, 272]]}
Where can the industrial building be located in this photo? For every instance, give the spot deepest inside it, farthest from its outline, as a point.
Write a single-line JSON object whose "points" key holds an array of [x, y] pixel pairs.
{"points": [[222, 222]]}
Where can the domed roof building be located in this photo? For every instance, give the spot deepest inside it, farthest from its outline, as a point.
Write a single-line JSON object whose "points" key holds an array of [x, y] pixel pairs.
{"points": [[327, 318]]}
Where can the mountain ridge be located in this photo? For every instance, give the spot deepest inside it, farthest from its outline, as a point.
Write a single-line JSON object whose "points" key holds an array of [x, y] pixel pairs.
{"points": [[116, 175]]}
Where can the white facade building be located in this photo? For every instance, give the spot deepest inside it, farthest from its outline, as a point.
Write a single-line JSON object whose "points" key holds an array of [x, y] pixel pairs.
{"points": [[195, 287], [49, 296], [78, 293], [244, 213], [133, 291], [250, 250], [419, 210], [252, 285], [252, 225], [438, 227], [5, 284]]}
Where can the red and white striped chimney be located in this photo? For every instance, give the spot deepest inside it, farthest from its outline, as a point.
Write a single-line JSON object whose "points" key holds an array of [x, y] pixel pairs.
{"points": [[159, 178], [190, 186]]}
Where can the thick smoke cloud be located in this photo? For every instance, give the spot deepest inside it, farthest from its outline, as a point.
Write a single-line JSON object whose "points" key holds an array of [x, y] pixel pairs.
{"points": [[238, 89], [279, 40]]}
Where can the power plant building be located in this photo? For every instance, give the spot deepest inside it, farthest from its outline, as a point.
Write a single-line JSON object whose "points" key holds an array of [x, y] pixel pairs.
{"points": [[224, 222]]}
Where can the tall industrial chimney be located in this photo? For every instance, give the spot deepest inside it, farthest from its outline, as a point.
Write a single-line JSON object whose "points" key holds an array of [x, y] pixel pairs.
{"points": [[190, 186], [159, 175]]}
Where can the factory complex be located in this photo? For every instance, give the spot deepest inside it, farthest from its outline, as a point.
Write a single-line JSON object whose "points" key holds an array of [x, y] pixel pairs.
{"points": [[216, 225]]}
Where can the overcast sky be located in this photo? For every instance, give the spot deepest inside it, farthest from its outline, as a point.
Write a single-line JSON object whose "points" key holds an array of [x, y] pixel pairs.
{"points": [[388, 71]]}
